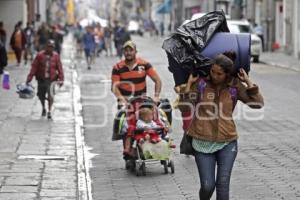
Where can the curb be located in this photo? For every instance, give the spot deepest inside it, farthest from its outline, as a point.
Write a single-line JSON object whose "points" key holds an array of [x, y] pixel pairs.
{"points": [[84, 180], [280, 66]]}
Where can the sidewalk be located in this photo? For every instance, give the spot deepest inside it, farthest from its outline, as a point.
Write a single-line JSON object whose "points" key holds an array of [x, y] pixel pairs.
{"points": [[279, 59], [38, 157]]}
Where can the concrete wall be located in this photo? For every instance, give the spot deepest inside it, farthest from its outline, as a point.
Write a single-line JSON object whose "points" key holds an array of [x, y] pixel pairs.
{"points": [[12, 11]]}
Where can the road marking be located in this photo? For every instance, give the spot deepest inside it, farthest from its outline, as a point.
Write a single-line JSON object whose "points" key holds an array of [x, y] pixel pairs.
{"points": [[106, 81], [42, 157]]}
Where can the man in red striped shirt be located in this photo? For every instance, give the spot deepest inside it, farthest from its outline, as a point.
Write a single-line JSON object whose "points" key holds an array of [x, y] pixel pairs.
{"points": [[129, 76]]}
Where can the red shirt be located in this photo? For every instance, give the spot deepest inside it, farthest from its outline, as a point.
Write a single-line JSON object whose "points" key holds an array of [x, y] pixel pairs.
{"points": [[39, 67]]}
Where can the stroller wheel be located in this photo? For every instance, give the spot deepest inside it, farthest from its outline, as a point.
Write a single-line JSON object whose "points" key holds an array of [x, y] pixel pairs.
{"points": [[129, 165], [141, 169]]}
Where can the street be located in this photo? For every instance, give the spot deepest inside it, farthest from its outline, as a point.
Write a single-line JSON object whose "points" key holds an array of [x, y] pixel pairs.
{"points": [[47, 159], [267, 166]]}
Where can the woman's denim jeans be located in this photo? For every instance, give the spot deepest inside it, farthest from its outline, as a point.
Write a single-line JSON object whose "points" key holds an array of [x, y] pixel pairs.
{"points": [[206, 163]]}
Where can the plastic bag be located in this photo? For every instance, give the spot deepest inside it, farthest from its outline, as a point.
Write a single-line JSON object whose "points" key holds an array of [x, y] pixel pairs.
{"points": [[186, 43], [186, 145], [184, 47], [6, 81], [25, 91]]}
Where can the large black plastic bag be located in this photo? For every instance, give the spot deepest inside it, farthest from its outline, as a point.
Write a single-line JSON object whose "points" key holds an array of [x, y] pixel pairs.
{"points": [[184, 47]]}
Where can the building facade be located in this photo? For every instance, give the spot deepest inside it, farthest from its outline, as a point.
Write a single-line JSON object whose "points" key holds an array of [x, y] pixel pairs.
{"points": [[280, 20]]}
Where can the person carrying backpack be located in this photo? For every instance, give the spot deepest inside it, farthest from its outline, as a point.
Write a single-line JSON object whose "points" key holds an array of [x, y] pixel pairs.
{"points": [[211, 102]]}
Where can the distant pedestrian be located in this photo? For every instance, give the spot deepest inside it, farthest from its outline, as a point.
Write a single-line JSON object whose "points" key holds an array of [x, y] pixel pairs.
{"points": [[18, 42], [3, 57], [42, 36], [78, 34], [57, 36], [89, 46], [108, 40], [162, 29], [121, 36], [29, 34], [258, 29], [214, 136], [2, 33], [48, 70]]}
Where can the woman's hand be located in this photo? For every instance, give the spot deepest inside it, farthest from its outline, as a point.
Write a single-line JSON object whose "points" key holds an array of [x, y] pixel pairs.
{"points": [[190, 82], [243, 76], [192, 79]]}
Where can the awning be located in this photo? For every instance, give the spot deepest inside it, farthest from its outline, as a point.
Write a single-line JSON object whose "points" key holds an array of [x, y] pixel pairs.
{"points": [[165, 7]]}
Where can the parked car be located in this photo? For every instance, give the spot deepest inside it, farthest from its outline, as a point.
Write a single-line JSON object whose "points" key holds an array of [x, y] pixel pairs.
{"points": [[135, 28], [243, 26]]}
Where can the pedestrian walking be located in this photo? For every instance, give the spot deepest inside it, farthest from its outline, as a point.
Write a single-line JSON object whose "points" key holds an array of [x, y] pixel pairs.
{"points": [[48, 70], [2, 33], [99, 38], [42, 36], [57, 36], [129, 76], [121, 36], [18, 42], [213, 132], [89, 45], [78, 34], [3, 57], [29, 34], [258, 30], [108, 40], [162, 28]]}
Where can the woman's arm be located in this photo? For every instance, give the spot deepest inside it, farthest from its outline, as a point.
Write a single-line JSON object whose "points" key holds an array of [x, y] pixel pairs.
{"points": [[188, 95]]}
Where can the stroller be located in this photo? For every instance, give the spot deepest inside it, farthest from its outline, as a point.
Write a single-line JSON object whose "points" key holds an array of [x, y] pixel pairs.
{"points": [[148, 152]]}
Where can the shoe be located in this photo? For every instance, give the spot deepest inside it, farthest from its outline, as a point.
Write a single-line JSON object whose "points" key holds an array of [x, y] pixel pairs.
{"points": [[49, 115], [44, 113]]}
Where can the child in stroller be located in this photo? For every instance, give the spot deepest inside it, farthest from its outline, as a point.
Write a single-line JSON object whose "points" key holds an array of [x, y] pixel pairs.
{"points": [[147, 135], [147, 130], [150, 127]]}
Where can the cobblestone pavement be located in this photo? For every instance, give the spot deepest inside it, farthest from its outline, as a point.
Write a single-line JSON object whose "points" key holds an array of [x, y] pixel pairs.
{"points": [[267, 166], [37, 156]]}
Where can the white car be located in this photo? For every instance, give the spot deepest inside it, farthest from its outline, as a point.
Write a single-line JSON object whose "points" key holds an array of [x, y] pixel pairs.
{"points": [[134, 28], [243, 26]]}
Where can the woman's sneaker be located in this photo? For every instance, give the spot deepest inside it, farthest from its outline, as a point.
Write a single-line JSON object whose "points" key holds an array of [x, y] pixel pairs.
{"points": [[49, 115]]}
